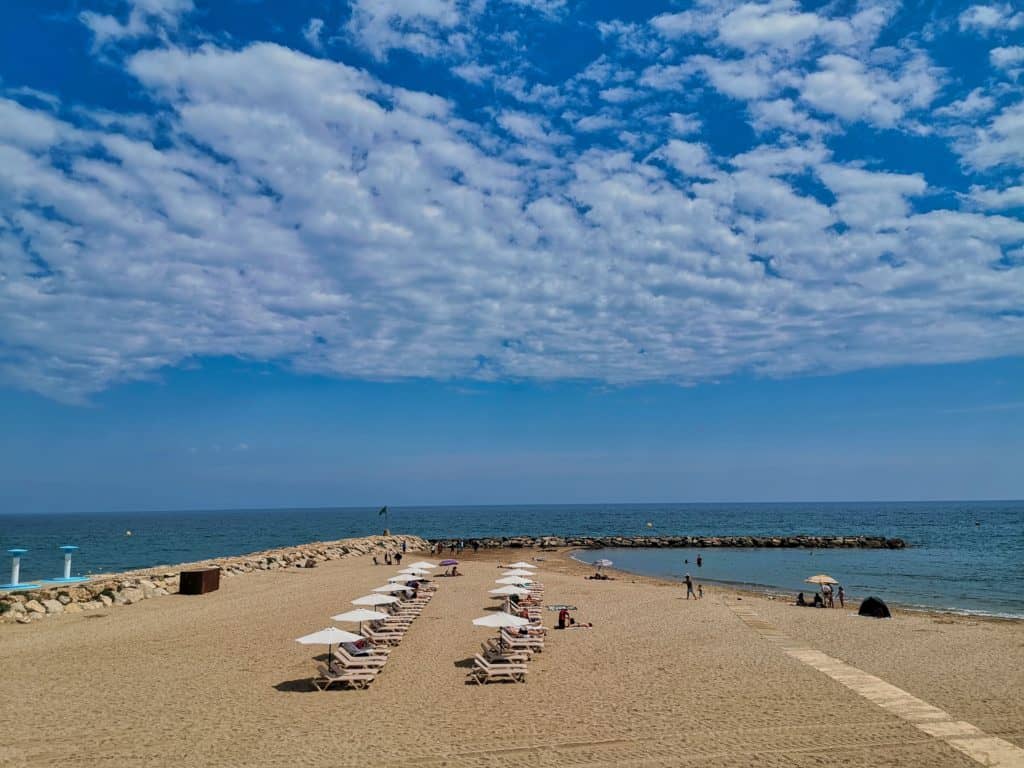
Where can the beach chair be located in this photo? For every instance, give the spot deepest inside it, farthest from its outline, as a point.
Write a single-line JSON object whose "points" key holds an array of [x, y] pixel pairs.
{"points": [[520, 642], [384, 638], [494, 652], [367, 649], [344, 660], [327, 677], [484, 671]]}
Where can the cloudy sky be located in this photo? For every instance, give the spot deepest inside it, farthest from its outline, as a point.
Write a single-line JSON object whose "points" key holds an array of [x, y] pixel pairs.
{"points": [[530, 204]]}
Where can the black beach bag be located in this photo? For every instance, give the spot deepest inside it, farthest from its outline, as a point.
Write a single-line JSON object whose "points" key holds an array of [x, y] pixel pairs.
{"points": [[875, 608]]}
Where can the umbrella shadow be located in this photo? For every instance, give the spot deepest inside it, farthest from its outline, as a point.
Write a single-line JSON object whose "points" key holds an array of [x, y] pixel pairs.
{"points": [[300, 685]]}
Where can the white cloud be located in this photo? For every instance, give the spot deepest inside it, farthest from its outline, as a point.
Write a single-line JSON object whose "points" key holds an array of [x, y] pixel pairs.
{"points": [[748, 78], [998, 199], [312, 31], [870, 199], [591, 123], [778, 24], [845, 87], [999, 143], [1008, 57], [282, 207], [977, 102], [783, 114], [684, 125], [619, 94], [688, 157], [425, 27], [144, 17], [988, 18]]}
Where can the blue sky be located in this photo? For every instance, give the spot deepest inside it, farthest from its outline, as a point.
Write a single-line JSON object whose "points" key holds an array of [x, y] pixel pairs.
{"points": [[441, 251]]}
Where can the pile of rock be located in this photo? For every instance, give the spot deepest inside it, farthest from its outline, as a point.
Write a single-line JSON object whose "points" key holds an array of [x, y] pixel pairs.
{"points": [[126, 588], [600, 542]]}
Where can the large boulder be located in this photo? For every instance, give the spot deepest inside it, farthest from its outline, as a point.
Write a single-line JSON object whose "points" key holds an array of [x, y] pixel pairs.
{"points": [[53, 606], [34, 606]]}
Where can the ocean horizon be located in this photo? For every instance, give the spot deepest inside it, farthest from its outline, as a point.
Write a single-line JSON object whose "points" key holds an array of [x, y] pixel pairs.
{"points": [[962, 555]]}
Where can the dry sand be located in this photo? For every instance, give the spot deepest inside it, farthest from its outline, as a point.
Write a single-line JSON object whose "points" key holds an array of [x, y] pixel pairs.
{"points": [[217, 680]]}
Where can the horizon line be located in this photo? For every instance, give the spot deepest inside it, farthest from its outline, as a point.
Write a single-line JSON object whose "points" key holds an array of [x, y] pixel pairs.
{"points": [[375, 507]]}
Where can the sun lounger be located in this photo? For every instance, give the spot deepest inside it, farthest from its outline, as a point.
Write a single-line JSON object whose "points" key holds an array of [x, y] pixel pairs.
{"points": [[494, 652], [387, 638], [484, 671], [348, 678], [367, 649], [516, 642], [345, 660]]}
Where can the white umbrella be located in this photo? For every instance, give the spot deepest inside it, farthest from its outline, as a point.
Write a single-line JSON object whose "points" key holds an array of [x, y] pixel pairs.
{"points": [[360, 615], [521, 564], [514, 580], [509, 589], [329, 637], [414, 572], [820, 579], [501, 619], [375, 600], [422, 564], [602, 563], [390, 588], [517, 572]]}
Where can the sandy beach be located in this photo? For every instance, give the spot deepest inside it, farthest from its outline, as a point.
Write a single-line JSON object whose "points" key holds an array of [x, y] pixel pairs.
{"points": [[217, 680]]}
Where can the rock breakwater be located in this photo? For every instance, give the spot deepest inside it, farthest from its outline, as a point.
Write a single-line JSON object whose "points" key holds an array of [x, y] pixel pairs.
{"points": [[601, 542], [116, 589]]}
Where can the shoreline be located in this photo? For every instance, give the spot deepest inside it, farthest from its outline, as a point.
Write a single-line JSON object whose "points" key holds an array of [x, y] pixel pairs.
{"points": [[778, 594], [102, 590]]}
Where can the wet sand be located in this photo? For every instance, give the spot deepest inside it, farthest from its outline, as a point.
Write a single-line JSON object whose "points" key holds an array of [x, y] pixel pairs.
{"points": [[217, 680]]}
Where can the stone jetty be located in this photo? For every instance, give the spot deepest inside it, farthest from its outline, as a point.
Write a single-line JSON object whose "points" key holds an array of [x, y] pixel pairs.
{"points": [[117, 589], [600, 542]]}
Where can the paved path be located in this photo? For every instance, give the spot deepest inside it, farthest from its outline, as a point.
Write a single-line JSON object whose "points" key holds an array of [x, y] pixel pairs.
{"points": [[972, 741]]}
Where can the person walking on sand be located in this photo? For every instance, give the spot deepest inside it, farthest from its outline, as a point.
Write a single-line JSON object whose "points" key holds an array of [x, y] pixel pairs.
{"points": [[398, 558], [403, 549], [842, 597], [689, 587], [700, 591], [826, 591]]}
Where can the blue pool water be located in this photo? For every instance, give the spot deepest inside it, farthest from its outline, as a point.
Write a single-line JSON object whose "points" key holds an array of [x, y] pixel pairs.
{"points": [[962, 555]]}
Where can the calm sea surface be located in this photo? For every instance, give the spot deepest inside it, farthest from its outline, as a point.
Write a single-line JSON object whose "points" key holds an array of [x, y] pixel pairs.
{"points": [[963, 555]]}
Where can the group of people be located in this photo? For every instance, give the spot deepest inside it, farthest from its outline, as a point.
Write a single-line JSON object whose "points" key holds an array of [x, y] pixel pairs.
{"points": [[389, 558], [824, 599], [455, 546]]}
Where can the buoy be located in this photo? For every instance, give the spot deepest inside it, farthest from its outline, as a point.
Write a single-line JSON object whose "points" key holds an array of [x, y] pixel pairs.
{"points": [[127, 533], [650, 524]]}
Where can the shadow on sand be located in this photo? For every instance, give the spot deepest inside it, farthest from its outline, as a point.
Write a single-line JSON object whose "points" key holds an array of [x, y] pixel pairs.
{"points": [[302, 685]]}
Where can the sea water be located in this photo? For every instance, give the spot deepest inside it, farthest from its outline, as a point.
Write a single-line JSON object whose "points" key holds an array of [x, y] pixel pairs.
{"points": [[961, 555]]}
